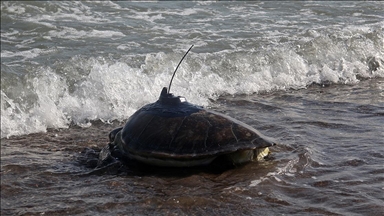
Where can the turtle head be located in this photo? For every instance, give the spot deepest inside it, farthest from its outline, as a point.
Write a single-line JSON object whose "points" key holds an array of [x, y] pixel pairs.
{"points": [[169, 99]]}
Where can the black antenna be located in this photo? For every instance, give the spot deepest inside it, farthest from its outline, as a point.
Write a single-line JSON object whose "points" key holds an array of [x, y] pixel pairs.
{"points": [[169, 88]]}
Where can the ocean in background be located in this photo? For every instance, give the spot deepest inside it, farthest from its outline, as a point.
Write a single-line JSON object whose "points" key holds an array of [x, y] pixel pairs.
{"points": [[310, 74], [68, 63]]}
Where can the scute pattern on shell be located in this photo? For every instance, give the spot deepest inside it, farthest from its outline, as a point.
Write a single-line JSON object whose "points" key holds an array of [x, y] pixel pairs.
{"points": [[200, 134]]}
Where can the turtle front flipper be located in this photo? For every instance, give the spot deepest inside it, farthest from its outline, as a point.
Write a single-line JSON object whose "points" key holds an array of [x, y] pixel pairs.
{"points": [[105, 156], [113, 151]]}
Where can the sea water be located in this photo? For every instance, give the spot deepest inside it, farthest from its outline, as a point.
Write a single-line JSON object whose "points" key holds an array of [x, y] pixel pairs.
{"points": [[309, 74]]}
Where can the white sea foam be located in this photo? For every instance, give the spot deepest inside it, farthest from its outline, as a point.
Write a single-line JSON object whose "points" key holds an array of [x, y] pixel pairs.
{"points": [[26, 54], [12, 8], [115, 90], [71, 33]]}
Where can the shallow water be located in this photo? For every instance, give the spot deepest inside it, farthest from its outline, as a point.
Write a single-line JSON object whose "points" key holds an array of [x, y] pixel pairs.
{"points": [[309, 74], [328, 162]]}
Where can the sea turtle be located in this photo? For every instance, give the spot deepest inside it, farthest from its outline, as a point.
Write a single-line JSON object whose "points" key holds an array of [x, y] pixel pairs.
{"points": [[175, 133]]}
